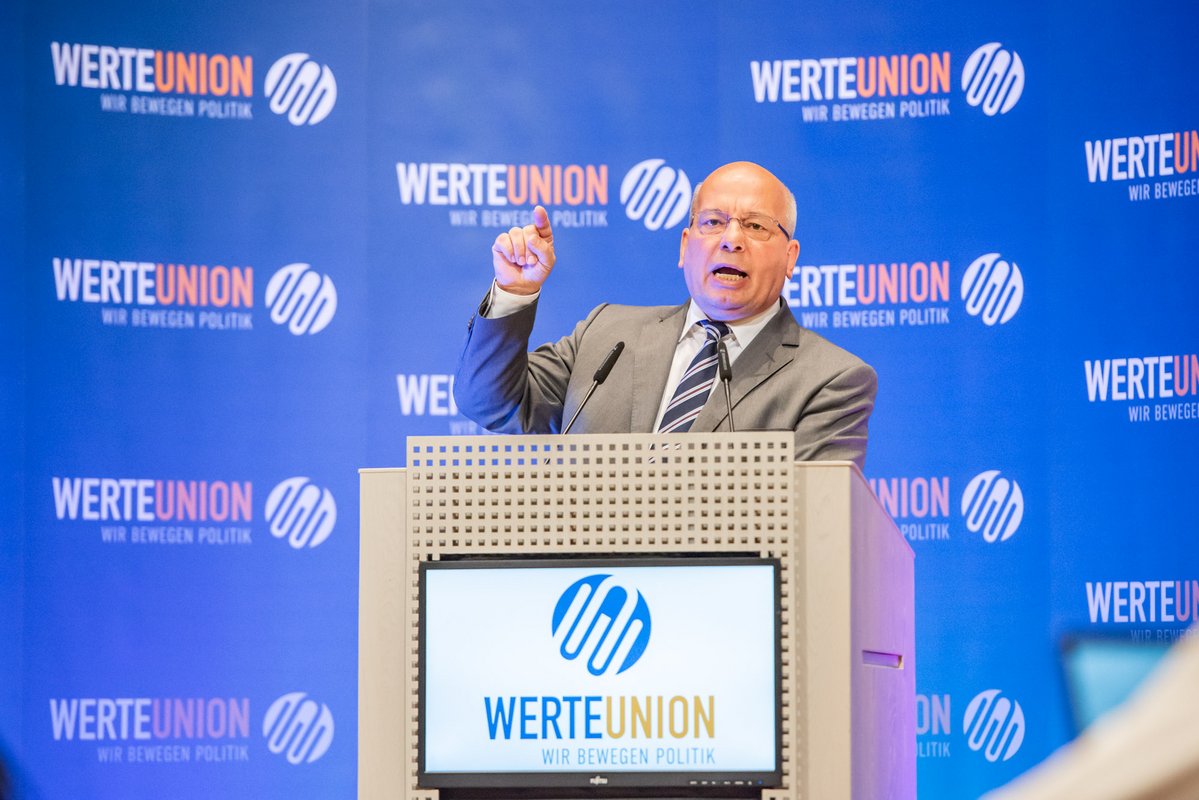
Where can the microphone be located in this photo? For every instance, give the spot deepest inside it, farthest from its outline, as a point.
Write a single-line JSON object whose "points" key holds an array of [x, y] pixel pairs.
{"points": [[600, 376], [725, 368]]}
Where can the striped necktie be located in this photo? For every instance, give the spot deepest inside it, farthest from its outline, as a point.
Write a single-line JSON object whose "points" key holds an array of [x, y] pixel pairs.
{"points": [[696, 383]]}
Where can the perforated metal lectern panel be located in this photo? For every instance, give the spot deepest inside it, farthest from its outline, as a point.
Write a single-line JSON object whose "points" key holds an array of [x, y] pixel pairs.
{"points": [[632, 493]]}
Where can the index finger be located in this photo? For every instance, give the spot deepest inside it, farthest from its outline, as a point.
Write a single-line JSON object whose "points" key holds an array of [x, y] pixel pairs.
{"points": [[541, 221]]}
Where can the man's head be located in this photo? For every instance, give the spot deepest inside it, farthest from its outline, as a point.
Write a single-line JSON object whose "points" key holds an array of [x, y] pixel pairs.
{"points": [[730, 274]]}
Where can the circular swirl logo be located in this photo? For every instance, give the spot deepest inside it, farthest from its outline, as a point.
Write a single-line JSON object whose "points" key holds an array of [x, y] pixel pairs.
{"points": [[603, 623], [301, 512], [301, 88], [993, 505], [298, 728], [994, 724], [658, 195], [301, 298], [993, 289], [993, 79]]}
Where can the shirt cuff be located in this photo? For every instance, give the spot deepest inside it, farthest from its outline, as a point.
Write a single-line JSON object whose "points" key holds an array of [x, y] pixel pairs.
{"points": [[501, 303]]}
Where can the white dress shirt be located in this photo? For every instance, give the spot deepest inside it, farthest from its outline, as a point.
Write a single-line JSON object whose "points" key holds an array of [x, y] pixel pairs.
{"points": [[741, 333]]}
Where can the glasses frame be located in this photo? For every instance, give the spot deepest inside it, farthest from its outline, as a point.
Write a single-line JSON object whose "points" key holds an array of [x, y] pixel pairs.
{"points": [[740, 221]]}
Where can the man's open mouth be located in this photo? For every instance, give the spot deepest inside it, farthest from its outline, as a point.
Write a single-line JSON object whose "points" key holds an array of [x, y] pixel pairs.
{"points": [[728, 272]]}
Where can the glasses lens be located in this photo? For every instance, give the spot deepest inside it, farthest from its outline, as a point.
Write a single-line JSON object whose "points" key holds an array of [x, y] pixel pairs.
{"points": [[711, 221], [757, 226]]}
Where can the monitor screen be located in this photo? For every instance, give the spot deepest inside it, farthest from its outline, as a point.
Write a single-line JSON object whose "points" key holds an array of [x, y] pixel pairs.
{"points": [[616, 672], [1101, 672]]}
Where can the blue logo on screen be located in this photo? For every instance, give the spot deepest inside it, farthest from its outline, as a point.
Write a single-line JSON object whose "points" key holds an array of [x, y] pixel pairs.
{"points": [[598, 619]]}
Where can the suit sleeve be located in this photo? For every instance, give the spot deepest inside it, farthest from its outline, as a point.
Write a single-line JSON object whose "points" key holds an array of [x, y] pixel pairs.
{"points": [[832, 426], [505, 388]]}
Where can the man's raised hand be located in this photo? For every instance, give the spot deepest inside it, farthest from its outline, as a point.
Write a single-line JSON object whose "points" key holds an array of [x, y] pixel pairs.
{"points": [[523, 257]]}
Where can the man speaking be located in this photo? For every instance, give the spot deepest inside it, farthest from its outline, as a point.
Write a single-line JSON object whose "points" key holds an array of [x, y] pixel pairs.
{"points": [[736, 254]]}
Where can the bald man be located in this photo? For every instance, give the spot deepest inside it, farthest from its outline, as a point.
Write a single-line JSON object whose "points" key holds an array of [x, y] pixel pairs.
{"points": [[736, 254]]}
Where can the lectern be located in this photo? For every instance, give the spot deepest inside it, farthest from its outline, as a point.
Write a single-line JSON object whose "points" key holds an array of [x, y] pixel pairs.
{"points": [[842, 691]]}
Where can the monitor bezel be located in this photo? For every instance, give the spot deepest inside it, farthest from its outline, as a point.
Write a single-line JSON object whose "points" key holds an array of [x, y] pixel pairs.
{"points": [[597, 784]]}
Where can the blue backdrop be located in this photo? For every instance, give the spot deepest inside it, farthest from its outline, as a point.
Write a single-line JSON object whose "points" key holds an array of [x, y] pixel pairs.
{"points": [[243, 245], [12, 378]]}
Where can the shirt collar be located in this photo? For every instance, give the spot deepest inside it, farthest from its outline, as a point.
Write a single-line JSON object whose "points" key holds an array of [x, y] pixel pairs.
{"points": [[743, 331]]}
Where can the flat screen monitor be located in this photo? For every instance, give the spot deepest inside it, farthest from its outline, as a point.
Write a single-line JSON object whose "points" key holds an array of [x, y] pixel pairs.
{"points": [[618, 673], [1102, 672]]}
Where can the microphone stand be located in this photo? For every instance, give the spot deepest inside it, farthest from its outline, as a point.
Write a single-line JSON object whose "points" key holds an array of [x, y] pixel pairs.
{"points": [[601, 375], [725, 367]]}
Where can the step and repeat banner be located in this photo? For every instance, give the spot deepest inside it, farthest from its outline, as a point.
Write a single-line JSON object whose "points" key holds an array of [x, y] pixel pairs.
{"points": [[253, 237], [12, 366]]}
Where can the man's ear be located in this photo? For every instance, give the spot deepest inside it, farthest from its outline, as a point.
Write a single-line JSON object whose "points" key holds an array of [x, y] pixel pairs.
{"points": [[683, 245], [792, 256]]}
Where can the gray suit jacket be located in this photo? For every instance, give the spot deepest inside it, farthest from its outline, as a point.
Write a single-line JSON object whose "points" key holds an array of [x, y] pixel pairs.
{"points": [[787, 379]]}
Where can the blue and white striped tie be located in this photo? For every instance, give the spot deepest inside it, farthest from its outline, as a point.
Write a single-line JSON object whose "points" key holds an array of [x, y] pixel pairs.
{"points": [[696, 383]]}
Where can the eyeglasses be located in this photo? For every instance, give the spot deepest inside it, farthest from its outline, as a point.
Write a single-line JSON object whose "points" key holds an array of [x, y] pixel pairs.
{"points": [[711, 222]]}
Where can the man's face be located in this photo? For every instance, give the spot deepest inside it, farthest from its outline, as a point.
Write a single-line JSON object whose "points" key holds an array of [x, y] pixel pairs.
{"points": [[729, 275]]}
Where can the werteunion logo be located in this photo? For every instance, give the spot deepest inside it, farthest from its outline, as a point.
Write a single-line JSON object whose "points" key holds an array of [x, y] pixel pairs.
{"points": [[828, 87], [993, 505], [1160, 379], [148, 71], [602, 624], [993, 79], [994, 725], [918, 504], [1150, 156], [992, 289], [1169, 600], [301, 298], [141, 510], [301, 88], [298, 728], [301, 512], [658, 195], [870, 295]]}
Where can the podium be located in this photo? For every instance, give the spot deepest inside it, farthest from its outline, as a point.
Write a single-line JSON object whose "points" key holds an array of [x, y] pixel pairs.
{"points": [[848, 665]]}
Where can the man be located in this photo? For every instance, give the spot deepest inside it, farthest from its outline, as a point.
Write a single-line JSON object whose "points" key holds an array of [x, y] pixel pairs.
{"points": [[736, 254]]}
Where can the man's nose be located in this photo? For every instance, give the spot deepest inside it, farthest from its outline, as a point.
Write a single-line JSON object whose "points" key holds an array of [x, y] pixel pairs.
{"points": [[733, 238]]}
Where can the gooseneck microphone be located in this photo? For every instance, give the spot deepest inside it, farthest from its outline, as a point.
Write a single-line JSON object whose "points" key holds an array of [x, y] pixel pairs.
{"points": [[725, 368], [601, 375]]}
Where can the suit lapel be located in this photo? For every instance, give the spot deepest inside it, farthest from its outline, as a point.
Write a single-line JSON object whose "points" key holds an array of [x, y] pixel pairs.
{"points": [[652, 354], [772, 349]]}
